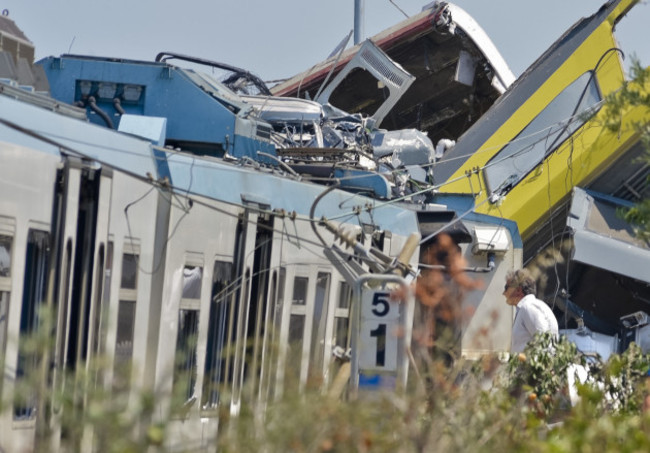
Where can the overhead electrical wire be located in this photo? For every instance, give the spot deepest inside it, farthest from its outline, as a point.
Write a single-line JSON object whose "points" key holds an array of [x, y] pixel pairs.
{"points": [[569, 172], [354, 213], [154, 185], [196, 163], [187, 191], [368, 207], [352, 177]]}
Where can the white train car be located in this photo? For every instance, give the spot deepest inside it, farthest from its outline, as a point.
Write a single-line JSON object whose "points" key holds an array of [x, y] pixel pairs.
{"points": [[204, 284], [25, 252], [192, 287], [271, 305]]}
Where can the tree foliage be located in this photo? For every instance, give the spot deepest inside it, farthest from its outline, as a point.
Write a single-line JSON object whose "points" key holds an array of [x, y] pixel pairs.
{"points": [[633, 94]]}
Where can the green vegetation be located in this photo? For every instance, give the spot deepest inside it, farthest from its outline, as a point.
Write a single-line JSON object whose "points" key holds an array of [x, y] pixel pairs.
{"points": [[633, 94], [522, 404], [519, 404]]}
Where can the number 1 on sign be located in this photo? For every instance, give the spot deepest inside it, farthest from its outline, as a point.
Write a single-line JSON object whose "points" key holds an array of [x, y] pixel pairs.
{"points": [[377, 339], [380, 334]]}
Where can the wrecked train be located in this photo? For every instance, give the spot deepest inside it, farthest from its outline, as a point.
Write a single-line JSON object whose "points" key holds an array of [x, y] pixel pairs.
{"points": [[192, 258], [531, 156], [545, 156]]}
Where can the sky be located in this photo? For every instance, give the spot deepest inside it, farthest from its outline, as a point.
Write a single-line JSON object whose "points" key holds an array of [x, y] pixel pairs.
{"points": [[276, 39]]}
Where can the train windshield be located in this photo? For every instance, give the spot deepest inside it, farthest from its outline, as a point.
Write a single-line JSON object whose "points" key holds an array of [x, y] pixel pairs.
{"points": [[548, 130]]}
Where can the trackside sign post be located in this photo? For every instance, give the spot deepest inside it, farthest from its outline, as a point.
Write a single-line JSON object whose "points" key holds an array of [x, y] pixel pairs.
{"points": [[381, 330]]}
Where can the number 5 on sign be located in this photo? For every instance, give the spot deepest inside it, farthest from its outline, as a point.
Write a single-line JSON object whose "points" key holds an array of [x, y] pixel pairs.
{"points": [[377, 334]]}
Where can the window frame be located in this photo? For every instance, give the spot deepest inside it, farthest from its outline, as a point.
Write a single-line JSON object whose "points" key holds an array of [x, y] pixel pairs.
{"points": [[501, 185], [5, 288], [186, 365], [127, 296], [217, 372], [38, 252]]}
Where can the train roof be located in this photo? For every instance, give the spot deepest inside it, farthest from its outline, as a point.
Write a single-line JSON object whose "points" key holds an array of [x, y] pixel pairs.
{"points": [[458, 73], [36, 127], [524, 87]]}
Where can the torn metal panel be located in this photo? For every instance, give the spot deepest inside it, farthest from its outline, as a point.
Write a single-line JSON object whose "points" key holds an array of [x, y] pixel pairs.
{"points": [[465, 69], [625, 179], [239, 80], [299, 124], [389, 75], [405, 147], [276, 109], [295, 122], [589, 342], [603, 239], [458, 72]]}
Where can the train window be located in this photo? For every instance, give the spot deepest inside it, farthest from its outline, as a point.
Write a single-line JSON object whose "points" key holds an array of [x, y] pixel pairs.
{"points": [[186, 342], [106, 295], [543, 135], [319, 322], [300, 291], [188, 329], [341, 331], [192, 282], [5, 256], [63, 309], [298, 307], [125, 323], [342, 316], [95, 340], [5, 288], [34, 293], [345, 296], [124, 344], [294, 351], [217, 370], [129, 271], [4, 313], [279, 301], [296, 330]]}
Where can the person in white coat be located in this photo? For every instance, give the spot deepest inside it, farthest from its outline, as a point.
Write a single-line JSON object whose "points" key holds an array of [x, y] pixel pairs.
{"points": [[533, 315]]}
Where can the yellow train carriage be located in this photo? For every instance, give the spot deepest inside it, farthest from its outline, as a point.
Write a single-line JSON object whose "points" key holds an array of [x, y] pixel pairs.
{"points": [[547, 134]]}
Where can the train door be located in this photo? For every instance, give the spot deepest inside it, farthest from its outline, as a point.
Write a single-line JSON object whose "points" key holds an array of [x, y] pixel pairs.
{"points": [[306, 319], [260, 322], [87, 269], [319, 320], [6, 239], [244, 315], [81, 254], [42, 276], [258, 278], [217, 372], [275, 232], [187, 337], [330, 325], [65, 202], [337, 336]]}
